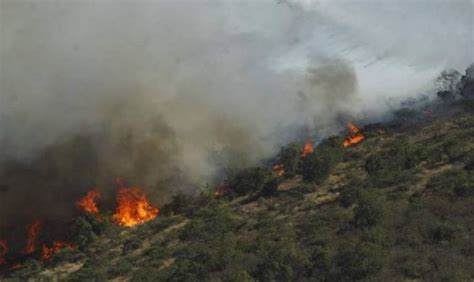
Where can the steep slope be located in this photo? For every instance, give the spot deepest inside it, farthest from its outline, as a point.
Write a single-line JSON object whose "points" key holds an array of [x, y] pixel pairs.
{"points": [[397, 206]]}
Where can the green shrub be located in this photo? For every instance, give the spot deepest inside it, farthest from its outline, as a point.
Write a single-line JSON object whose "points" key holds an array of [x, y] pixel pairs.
{"points": [[29, 269], [180, 203], [393, 166], [369, 211], [454, 181], [88, 273], [270, 188], [468, 160], [290, 157], [208, 223], [249, 180], [349, 195], [241, 276], [443, 232], [131, 245], [120, 269], [86, 229], [360, 262], [317, 166], [192, 270]]}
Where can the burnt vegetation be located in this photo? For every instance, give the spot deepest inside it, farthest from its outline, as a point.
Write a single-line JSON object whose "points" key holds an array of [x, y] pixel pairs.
{"points": [[397, 206]]}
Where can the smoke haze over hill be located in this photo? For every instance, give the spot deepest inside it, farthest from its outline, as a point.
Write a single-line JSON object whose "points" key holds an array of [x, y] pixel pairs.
{"points": [[169, 93]]}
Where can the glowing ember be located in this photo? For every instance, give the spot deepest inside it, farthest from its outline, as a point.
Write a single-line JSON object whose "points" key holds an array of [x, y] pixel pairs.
{"points": [[48, 252], [354, 137], [133, 207], [15, 266], [32, 233], [3, 251], [89, 202], [279, 169], [307, 148], [220, 190]]}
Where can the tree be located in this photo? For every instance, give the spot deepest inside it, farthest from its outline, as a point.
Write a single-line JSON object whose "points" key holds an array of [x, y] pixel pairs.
{"points": [[317, 166], [290, 157], [249, 180]]}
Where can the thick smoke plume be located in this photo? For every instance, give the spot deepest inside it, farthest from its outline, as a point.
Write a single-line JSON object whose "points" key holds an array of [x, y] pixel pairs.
{"points": [[171, 94]]}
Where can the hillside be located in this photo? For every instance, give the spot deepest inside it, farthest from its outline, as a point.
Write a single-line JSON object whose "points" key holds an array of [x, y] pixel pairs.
{"points": [[397, 206]]}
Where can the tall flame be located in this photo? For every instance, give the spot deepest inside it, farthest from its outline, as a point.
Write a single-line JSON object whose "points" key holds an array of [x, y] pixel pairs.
{"points": [[48, 252], [133, 207], [307, 148], [355, 136], [88, 203], [32, 234], [3, 251]]}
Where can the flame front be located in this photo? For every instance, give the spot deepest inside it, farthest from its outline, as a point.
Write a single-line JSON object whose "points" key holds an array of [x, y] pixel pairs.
{"points": [[133, 207], [32, 233], [279, 169], [354, 137], [48, 252], [307, 148], [89, 202], [3, 251]]}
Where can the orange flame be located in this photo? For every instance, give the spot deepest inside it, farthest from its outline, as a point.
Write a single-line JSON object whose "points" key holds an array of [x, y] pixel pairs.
{"points": [[48, 252], [307, 148], [3, 251], [32, 233], [355, 136], [88, 202], [133, 207], [279, 169]]}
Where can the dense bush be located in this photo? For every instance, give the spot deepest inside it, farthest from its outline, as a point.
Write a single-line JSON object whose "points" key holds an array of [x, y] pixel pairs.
{"points": [[468, 160], [120, 269], [393, 166], [28, 269], [210, 222], [270, 188], [290, 157], [317, 166], [86, 229], [454, 181], [350, 194], [444, 232], [249, 180], [180, 203], [369, 211], [360, 262]]}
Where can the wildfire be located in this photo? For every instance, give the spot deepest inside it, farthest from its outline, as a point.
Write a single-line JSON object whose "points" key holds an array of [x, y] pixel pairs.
{"points": [[279, 169], [133, 207], [88, 203], [220, 190], [32, 233], [307, 148], [355, 136], [48, 252], [3, 251]]}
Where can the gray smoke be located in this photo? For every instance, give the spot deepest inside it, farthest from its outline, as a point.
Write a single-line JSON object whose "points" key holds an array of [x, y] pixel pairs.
{"points": [[167, 94]]}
